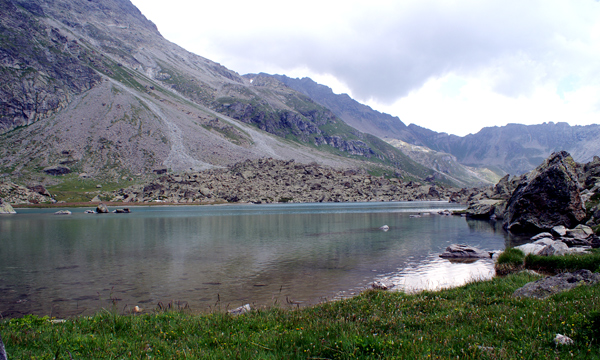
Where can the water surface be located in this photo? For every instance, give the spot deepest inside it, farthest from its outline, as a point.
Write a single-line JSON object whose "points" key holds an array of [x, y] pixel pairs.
{"points": [[227, 256]]}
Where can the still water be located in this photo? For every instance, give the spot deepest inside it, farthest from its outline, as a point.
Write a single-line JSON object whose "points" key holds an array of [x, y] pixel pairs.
{"points": [[226, 256]]}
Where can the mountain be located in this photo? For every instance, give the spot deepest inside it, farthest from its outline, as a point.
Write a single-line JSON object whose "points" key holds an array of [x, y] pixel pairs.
{"points": [[513, 149], [91, 87]]}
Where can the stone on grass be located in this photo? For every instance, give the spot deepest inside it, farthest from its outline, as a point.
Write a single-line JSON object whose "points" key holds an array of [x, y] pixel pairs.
{"points": [[240, 310], [546, 287], [563, 340]]}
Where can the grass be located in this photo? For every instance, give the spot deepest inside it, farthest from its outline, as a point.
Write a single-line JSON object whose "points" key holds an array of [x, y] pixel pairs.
{"points": [[510, 261], [571, 262], [478, 321]]}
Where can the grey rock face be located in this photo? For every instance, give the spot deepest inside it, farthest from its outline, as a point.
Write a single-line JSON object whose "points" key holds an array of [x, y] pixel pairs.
{"points": [[546, 287], [549, 197], [460, 251]]}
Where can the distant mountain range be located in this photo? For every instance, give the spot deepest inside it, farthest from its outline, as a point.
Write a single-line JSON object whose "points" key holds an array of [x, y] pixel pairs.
{"points": [[91, 89], [513, 149]]}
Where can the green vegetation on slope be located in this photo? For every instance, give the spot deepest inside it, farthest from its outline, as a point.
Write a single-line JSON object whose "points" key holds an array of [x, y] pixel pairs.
{"points": [[478, 321]]}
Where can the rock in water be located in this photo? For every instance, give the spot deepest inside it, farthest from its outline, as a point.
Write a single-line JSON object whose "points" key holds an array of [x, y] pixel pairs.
{"points": [[384, 228], [102, 209], [547, 198], [6, 207], [460, 251], [546, 287], [62, 212]]}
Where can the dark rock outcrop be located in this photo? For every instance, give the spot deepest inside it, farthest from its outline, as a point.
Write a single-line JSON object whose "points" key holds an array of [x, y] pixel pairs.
{"points": [[546, 287], [57, 170], [547, 198]]}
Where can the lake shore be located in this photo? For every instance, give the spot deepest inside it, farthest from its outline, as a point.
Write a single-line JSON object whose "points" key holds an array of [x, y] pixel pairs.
{"points": [[481, 320]]}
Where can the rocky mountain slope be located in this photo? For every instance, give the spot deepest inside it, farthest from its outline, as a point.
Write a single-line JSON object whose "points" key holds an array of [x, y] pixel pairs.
{"points": [[92, 88], [513, 149]]}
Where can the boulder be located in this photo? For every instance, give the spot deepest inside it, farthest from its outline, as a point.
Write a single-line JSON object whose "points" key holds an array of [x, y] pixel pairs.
{"points": [[461, 251], [549, 196], [480, 210], [556, 248], [574, 242], [580, 232], [62, 212], [384, 228], [122, 211], [542, 236], [546, 287], [544, 241], [40, 189], [595, 243], [559, 231], [6, 207], [533, 248], [102, 209], [57, 170]]}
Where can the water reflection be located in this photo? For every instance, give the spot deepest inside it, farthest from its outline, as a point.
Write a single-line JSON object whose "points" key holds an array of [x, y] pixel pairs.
{"points": [[239, 254]]}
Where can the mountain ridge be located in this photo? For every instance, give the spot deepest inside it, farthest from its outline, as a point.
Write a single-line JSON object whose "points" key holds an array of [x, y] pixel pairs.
{"points": [[513, 148], [148, 103]]}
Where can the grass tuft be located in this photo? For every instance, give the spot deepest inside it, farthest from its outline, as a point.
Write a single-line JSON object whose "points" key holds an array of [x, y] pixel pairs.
{"points": [[562, 263], [510, 261]]}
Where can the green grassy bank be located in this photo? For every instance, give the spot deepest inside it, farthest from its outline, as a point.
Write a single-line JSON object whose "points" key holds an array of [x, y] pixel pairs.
{"points": [[478, 321]]}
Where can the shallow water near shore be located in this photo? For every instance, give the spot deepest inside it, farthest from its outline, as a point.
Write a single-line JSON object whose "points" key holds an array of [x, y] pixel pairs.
{"points": [[208, 257]]}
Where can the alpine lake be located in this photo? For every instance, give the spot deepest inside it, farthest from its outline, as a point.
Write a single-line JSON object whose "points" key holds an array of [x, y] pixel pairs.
{"points": [[207, 258]]}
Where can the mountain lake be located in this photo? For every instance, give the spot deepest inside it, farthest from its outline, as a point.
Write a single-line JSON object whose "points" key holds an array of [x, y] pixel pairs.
{"points": [[209, 258]]}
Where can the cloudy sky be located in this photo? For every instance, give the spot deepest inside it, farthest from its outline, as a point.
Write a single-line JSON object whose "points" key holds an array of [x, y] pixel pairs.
{"points": [[450, 66]]}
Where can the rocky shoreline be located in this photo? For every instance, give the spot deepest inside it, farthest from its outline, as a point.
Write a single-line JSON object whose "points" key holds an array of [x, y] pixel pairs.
{"points": [[276, 181]]}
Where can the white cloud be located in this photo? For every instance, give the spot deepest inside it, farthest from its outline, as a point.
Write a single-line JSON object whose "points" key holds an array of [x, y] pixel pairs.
{"points": [[516, 59]]}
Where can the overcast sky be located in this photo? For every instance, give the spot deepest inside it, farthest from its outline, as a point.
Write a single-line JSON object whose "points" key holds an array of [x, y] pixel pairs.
{"points": [[450, 66]]}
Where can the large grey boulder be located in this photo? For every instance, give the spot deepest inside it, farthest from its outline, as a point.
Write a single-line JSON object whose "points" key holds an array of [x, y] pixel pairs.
{"points": [[556, 248], [548, 197], [102, 209], [461, 251], [546, 287], [6, 207]]}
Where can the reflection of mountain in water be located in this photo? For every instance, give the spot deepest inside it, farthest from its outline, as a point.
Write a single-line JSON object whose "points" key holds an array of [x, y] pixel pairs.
{"points": [[246, 253]]}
